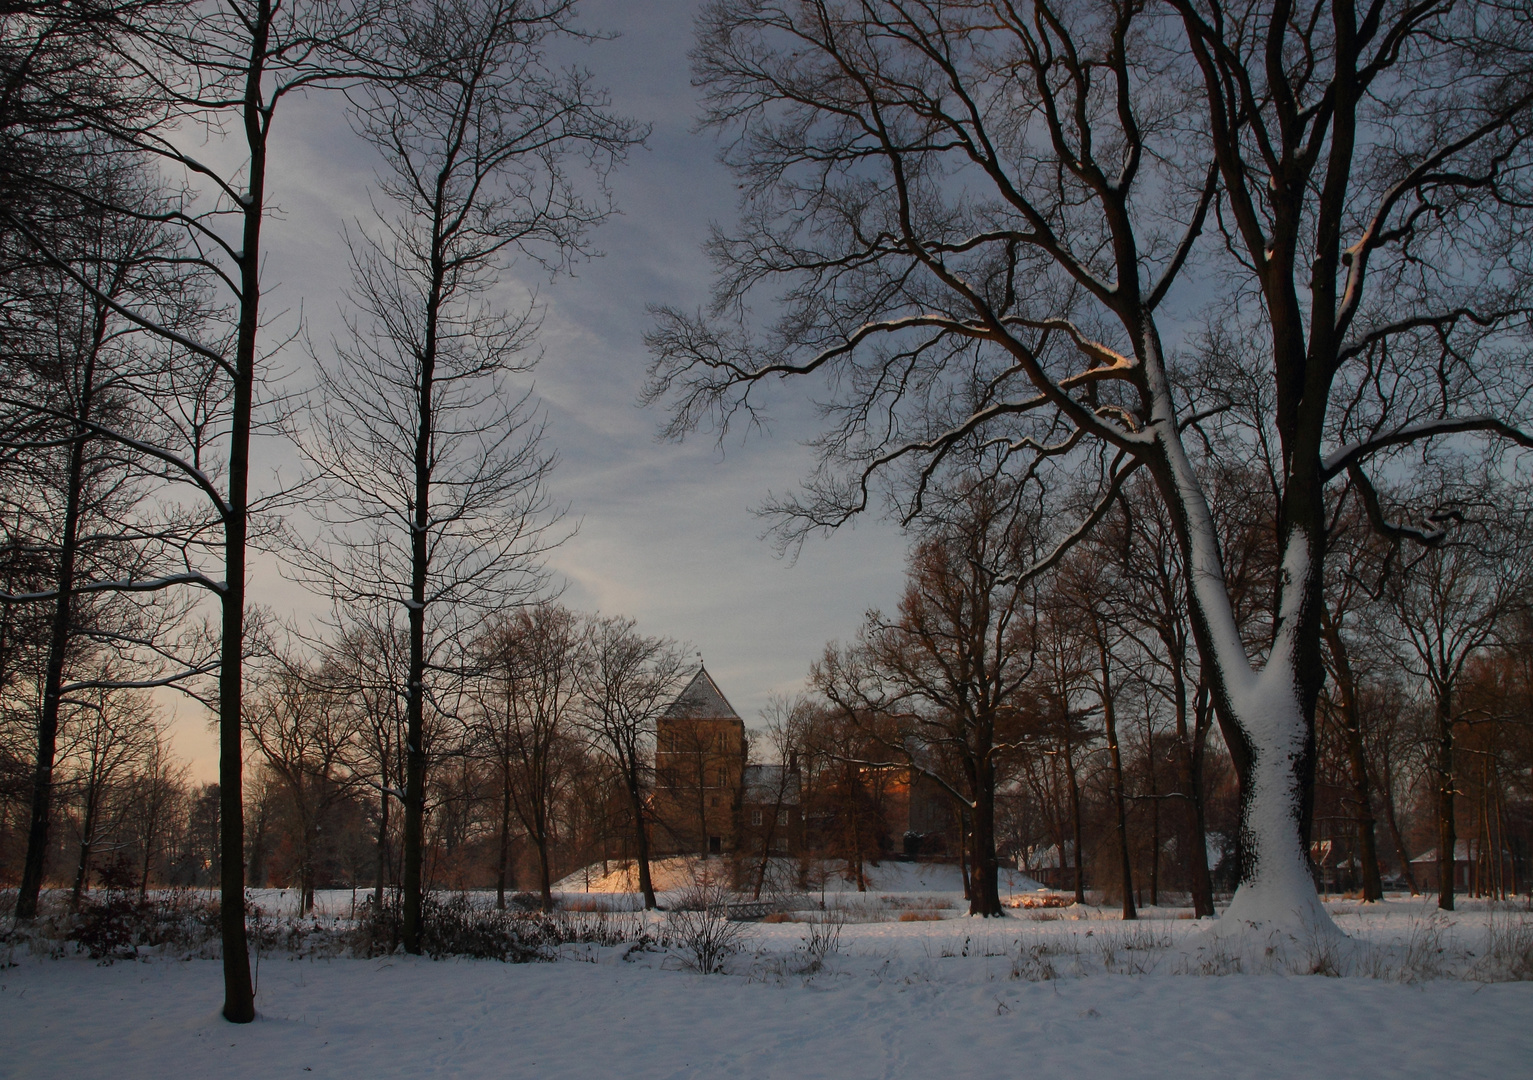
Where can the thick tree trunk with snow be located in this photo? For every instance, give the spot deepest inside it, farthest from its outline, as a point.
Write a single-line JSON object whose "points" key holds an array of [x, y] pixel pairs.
{"points": [[1267, 716]]}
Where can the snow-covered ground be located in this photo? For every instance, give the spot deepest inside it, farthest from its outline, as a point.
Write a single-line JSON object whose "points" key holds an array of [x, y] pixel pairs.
{"points": [[1061, 991]]}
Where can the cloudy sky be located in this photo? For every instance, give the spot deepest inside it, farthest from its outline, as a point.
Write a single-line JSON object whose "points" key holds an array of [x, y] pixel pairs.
{"points": [[667, 534]]}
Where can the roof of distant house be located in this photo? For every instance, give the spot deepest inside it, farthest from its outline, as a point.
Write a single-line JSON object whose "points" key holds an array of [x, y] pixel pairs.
{"points": [[770, 784], [1462, 852], [702, 699]]}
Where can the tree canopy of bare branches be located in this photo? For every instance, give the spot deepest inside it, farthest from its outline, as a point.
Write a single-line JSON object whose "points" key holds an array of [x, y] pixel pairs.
{"points": [[995, 220]]}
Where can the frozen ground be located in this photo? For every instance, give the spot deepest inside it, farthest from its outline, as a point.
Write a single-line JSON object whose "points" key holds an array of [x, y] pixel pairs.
{"points": [[1062, 992]]}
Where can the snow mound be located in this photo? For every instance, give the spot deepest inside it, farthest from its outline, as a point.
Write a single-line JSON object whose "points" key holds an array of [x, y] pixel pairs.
{"points": [[684, 871]]}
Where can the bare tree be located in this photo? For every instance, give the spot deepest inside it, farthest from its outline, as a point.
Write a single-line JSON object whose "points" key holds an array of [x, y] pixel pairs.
{"points": [[525, 703], [196, 67], [778, 793], [69, 362], [1157, 603], [304, 733], [1085, 594], [108, 736], [157, 805], [434, 465], [626, 681], [975, 220], [365, 663], [1449, 605], [951, 663]]}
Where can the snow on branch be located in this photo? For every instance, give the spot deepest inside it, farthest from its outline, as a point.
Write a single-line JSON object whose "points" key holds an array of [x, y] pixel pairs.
{"points": [[127, 585], [1355, 452]]}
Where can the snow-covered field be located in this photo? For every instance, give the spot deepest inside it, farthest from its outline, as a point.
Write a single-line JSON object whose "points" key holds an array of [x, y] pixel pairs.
{"points": [[1065, 992]]}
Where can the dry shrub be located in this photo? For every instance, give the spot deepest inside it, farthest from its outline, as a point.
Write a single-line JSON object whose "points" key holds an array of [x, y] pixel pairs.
{"points": [[457, 926], [777, 917], [822, 939], [699, 923], [1508, 955], [117, 924], [1041, 900], [919, 916]]}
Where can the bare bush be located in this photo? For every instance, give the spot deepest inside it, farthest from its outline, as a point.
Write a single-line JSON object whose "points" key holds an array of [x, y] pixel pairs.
{"points": [[1508, 953], [699, 924], [457, 926], [821, 939]]}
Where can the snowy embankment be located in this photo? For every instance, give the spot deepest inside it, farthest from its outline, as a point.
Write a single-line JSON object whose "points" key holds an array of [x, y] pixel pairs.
{"points": [[673, 874], [1067, 991]]}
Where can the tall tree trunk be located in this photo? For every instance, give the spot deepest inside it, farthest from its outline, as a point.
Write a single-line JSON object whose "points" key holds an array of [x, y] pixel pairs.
{"points": [[1447, 825], [1075, 821], [82, 866], [1357, 761], [239, 993], [415, 697], [1202, 880], [504, 858], [58, 642], [1155, 841], [1110, 721], [984, 869], [641, 840], [383, 849]]}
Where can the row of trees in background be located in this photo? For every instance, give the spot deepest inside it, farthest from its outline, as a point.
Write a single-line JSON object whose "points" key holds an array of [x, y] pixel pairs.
{"points": [[1073, 705], [1064, 721]]}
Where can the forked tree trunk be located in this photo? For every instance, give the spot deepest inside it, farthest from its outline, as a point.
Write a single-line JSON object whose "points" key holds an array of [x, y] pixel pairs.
{"points": [[1266, 716], [1276, 885]]}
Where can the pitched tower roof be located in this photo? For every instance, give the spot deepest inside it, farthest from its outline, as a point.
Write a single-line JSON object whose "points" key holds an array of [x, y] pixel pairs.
{"points": [[702, 699]]}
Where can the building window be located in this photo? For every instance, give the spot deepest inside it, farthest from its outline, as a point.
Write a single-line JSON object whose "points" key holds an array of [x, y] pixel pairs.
{"points": [[780, 843], [755, 817], [782, 817]]}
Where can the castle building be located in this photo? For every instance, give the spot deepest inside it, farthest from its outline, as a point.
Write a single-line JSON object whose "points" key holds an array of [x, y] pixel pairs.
{"points": [[699, 772]]}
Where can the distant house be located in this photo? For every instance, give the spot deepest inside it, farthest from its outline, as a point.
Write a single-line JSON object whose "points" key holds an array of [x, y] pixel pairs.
{"points": [[1473, 870], [771, 809], [922, 817], [1052, 866]]}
